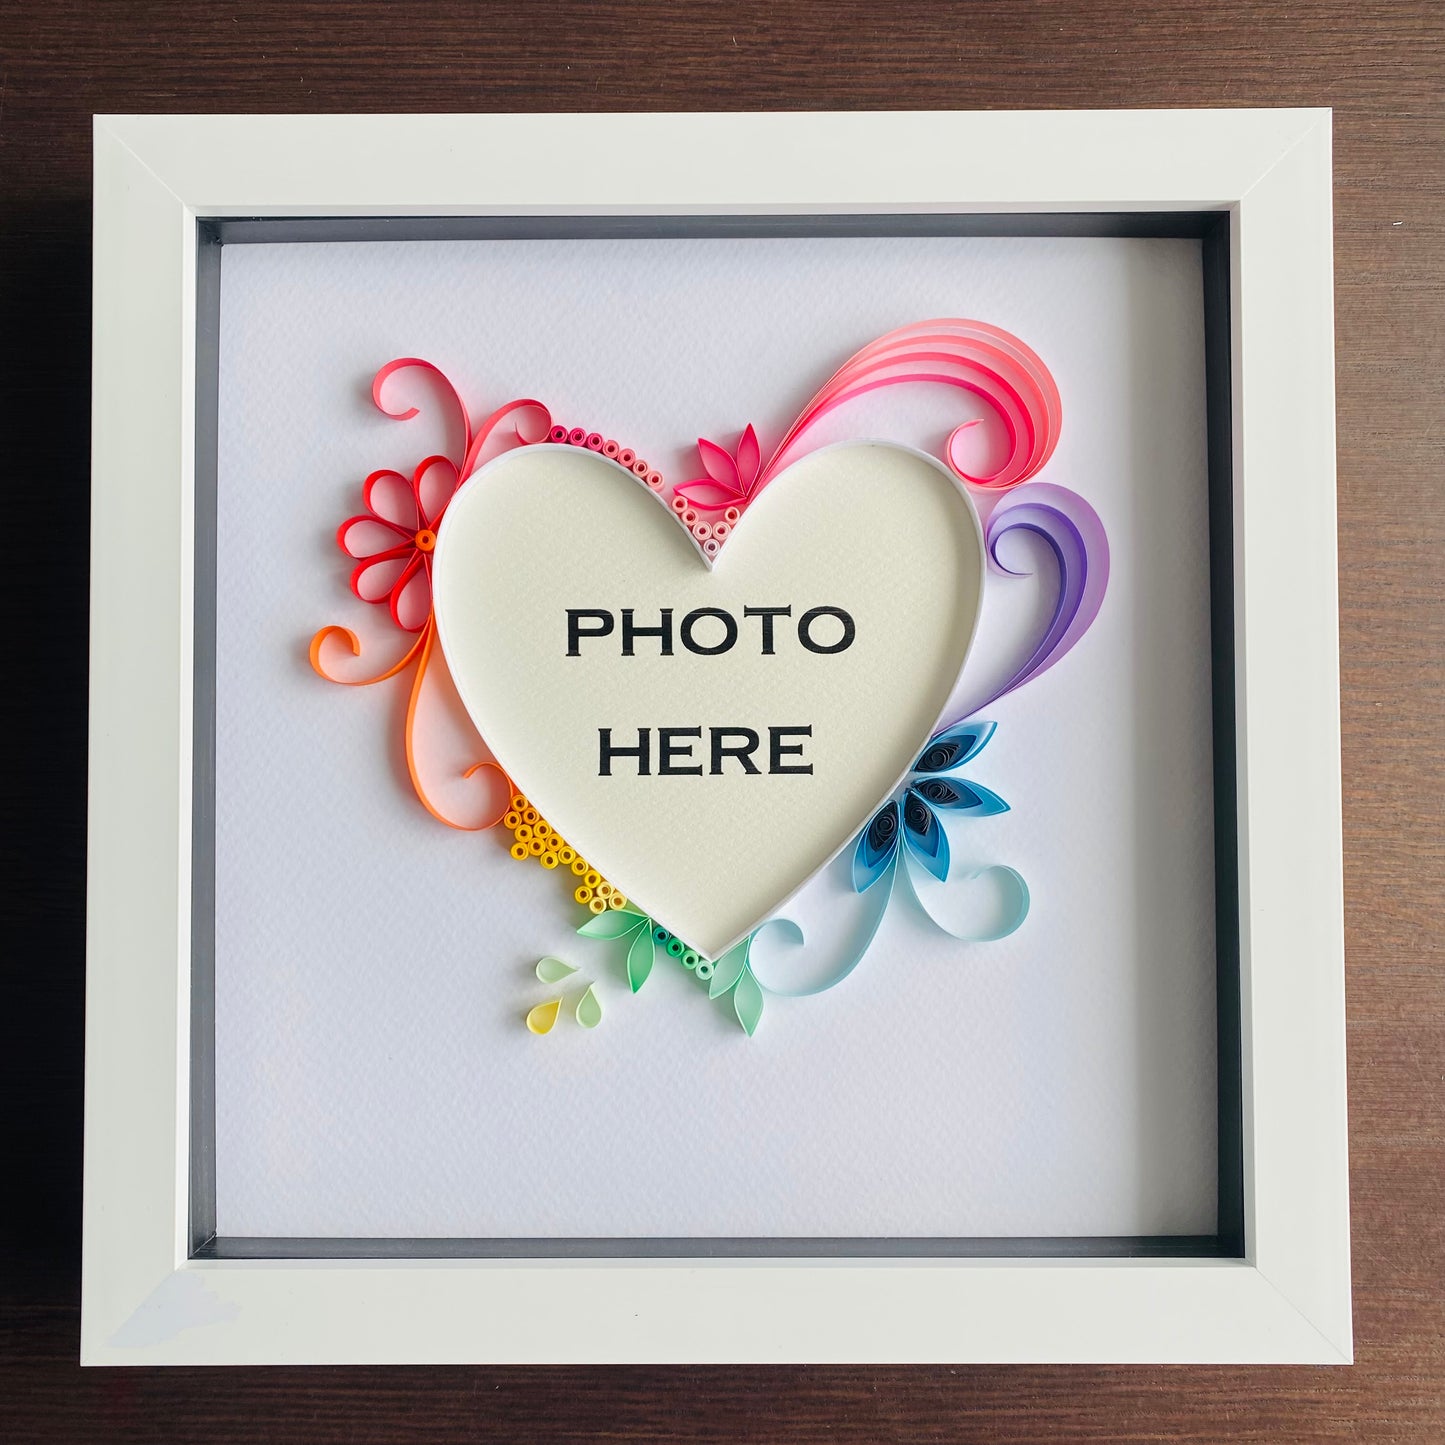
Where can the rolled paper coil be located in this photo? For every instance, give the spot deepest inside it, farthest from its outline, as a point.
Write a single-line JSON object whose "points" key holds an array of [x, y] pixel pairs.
{"points": [[704, 968], [536, 847], [557, 434], [548, 860], [611, 450], [626, 457], [702, 530], [512, 820], [530, 815], [720, 530], [523, 832], [679, 505], [592, 878], [661, 936], [654, 480], [712, 547], [583, 894], [605, 889], [731, 516], [691, 959], [598, 905], [618, 900], [519, 803], [676, 947], [566, 856], [579, 866], [688, 516], [640, 468], [577, 437], [519, 851], [594, 441]]}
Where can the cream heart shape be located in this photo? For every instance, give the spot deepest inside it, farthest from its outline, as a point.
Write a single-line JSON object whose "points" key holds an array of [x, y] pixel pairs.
{"points": [[879, 531]]}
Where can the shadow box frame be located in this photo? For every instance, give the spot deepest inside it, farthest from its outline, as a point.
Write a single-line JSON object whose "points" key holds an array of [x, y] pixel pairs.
{"points": [[1272, 1285]]}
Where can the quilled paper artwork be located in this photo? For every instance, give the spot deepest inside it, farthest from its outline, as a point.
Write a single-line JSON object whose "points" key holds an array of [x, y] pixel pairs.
{"points": [[691, 697]]}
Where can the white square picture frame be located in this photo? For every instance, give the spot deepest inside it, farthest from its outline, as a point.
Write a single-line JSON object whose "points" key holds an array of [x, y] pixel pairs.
{"points": [[153, 1293]]}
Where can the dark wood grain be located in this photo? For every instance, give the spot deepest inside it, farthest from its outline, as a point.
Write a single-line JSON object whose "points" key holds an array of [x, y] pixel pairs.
{"points": [[1381, 65]]}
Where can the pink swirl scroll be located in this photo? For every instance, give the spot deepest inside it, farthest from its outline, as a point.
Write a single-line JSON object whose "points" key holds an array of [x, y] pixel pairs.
{"points": [[531, 422], [970, 355]]}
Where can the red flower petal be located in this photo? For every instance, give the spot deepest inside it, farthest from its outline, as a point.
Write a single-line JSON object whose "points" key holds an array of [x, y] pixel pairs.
{"points": [[374, 579], [363, 537], [390, 496], [434, 482], [411, 597]]}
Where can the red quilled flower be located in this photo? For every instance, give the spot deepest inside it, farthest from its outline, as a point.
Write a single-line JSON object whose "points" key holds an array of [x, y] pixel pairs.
{"points": [[392, 541]]}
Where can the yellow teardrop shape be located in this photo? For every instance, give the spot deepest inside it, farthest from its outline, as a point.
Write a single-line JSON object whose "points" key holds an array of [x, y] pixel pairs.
{"points": [[589, 1009], [541, 1019]]}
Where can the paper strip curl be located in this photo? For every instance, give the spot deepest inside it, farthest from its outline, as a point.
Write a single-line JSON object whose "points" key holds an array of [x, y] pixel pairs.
{"points": [[392, 543], [904, 847], [969, 355], [426, 656], [1075, 536]]}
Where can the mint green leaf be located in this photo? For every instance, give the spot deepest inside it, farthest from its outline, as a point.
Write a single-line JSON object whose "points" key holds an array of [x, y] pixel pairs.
{"points": [[589, 1008], [553, 970], [748, 1002], [639, 958], [613, 924], [728, 970]]}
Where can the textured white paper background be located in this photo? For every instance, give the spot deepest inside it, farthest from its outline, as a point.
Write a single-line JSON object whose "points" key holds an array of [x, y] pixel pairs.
{"points": [[373, 967]]}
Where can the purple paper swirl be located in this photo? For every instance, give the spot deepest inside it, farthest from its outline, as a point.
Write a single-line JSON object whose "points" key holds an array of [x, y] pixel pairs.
{"points": [[1076, 537]]}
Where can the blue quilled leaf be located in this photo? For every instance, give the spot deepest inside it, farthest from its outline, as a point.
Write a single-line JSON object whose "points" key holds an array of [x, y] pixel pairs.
{"points": [[953, 748], [969, 799], [924, 835], [877, 844]]}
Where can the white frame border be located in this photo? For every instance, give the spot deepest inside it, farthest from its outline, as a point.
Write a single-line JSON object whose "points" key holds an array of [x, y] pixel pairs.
{"points": [[145, 1302]]}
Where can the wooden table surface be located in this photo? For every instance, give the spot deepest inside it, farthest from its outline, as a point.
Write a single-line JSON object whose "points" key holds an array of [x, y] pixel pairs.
{"points": [[1379, 63]]}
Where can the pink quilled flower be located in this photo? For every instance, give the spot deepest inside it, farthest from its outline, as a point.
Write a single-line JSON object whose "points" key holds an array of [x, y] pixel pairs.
{"points": [[730, 477], [392, 541]]}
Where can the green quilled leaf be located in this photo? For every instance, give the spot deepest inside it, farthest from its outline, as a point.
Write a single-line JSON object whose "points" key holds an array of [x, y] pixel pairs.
{"points": [[728, 970], [613, 924], [589, 1008], [553, 970], [748, 1003], [639, 958]]}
